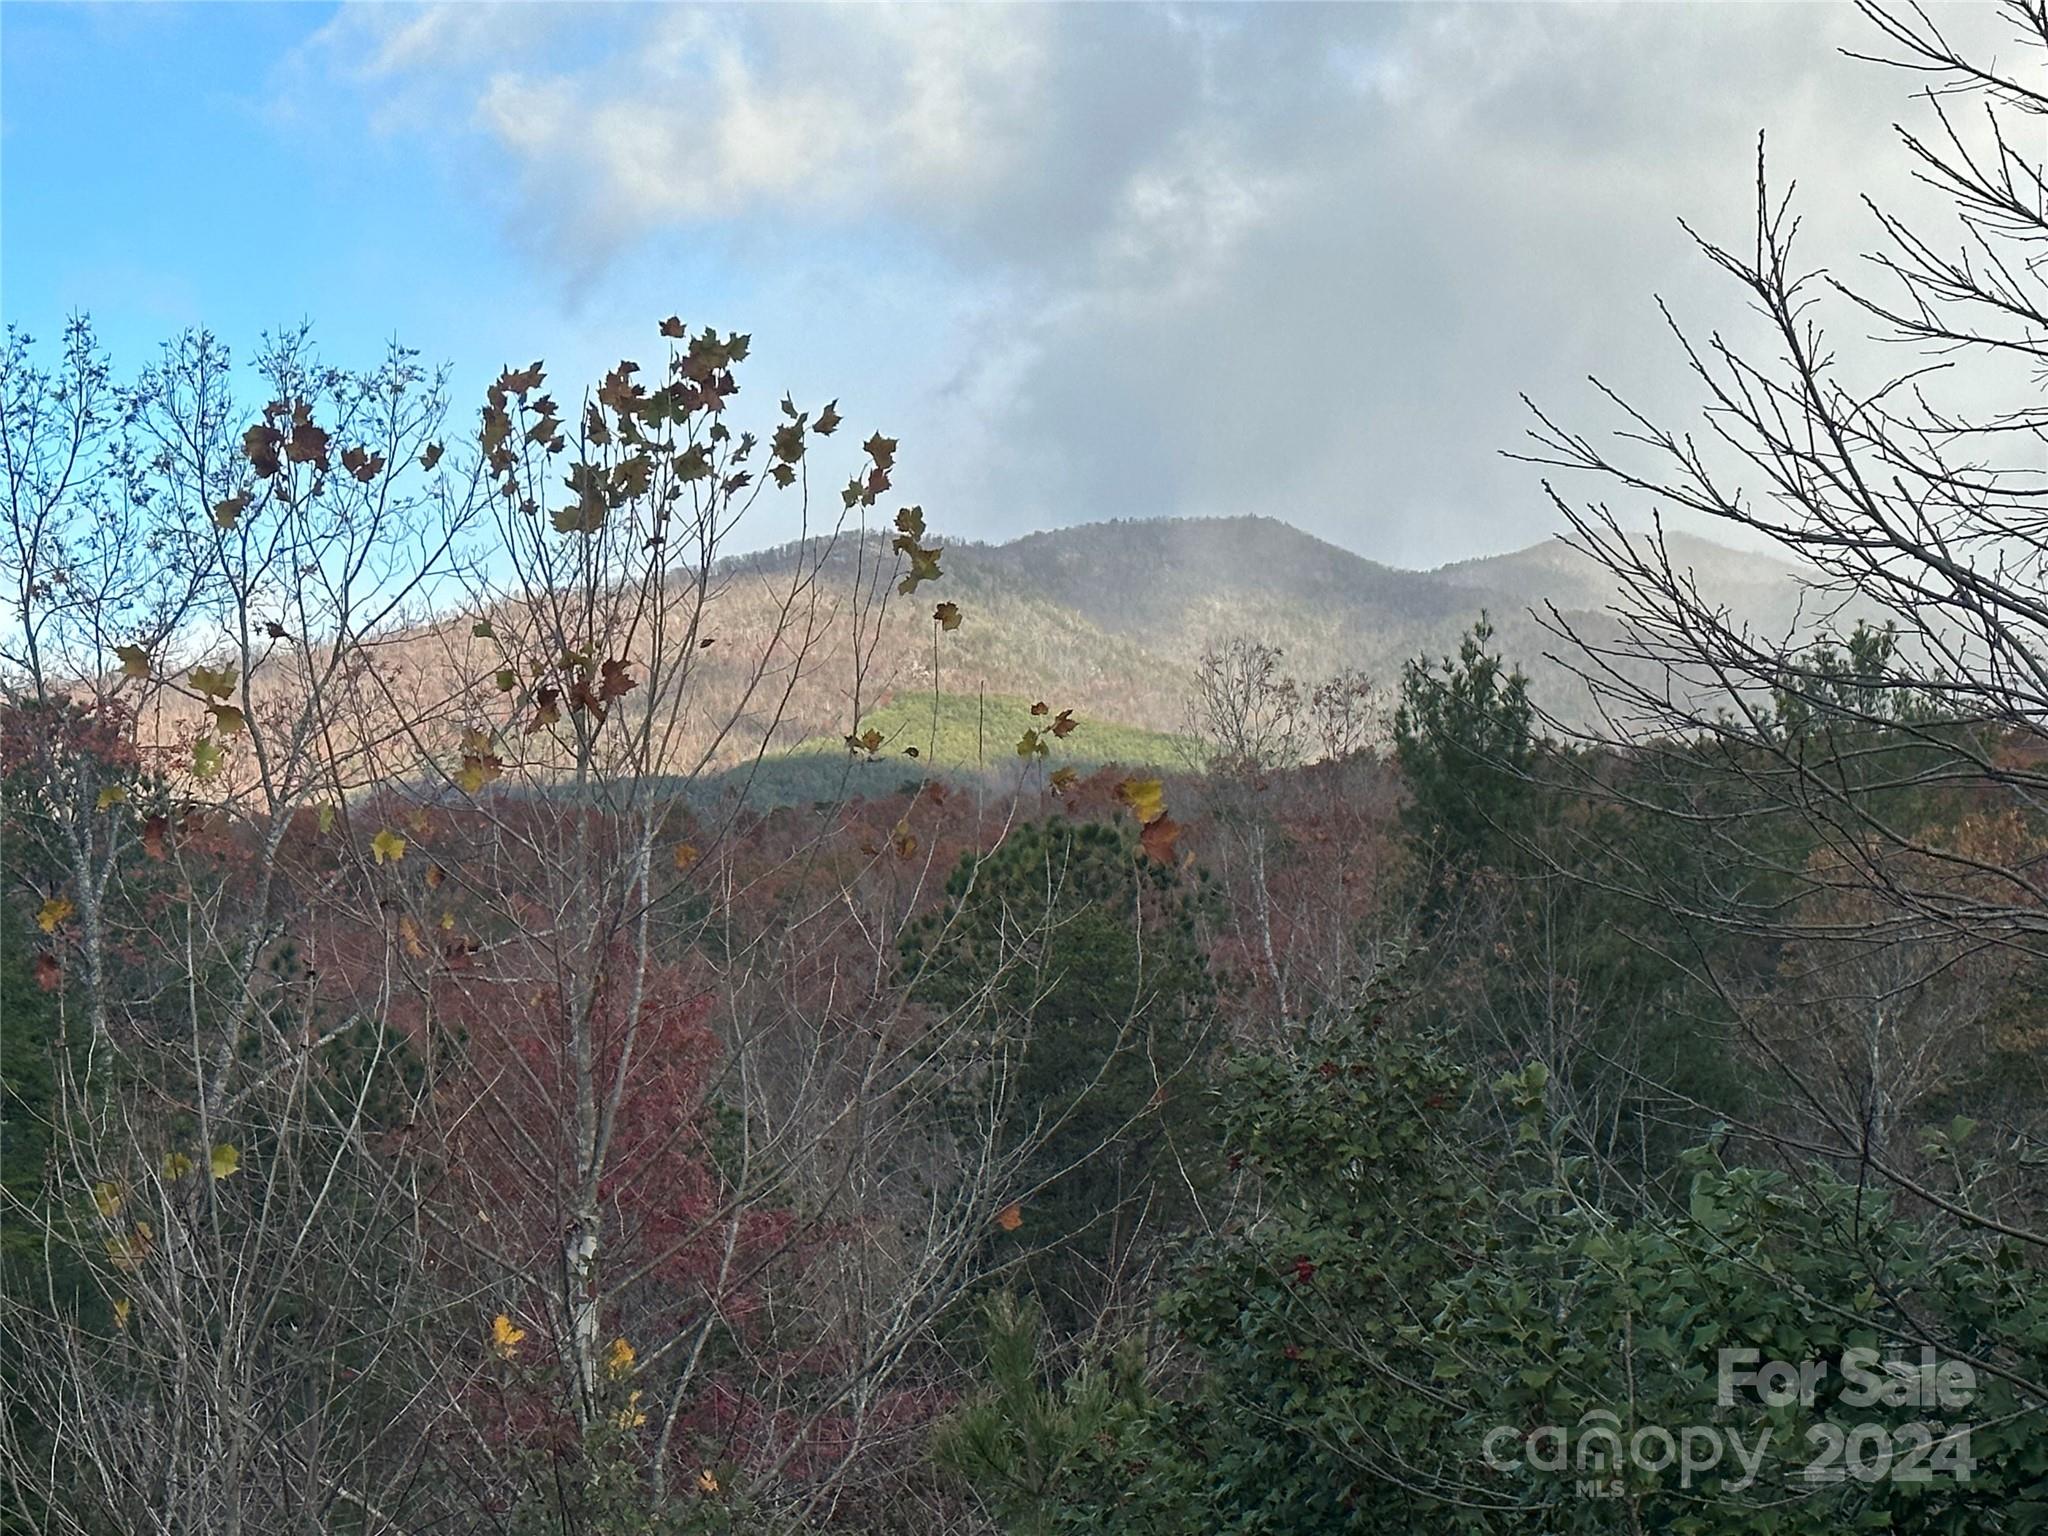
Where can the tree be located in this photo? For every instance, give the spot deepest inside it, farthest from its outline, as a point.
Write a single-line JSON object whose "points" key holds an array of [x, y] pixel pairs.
{"points": [[1075, 958], [440, 1118], [1842, 773]]}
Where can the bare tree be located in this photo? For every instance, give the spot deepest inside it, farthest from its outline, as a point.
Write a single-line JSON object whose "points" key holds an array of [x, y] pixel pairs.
{"points": [[1835, 774]]}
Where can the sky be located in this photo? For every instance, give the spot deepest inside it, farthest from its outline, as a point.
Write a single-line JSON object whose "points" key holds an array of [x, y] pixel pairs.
{"points": [[1083, 261]]}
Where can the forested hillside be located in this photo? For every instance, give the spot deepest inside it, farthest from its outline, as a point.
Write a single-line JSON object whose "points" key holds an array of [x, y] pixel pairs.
{"points": [[1196, 1033]]}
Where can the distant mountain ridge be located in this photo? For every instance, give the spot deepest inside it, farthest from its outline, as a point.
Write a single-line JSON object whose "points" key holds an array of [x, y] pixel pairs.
{"points": [[1111, 618]]}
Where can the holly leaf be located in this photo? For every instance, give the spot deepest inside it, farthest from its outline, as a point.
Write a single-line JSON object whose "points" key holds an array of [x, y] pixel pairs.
{"points": [[54, 913], [387, 847], [134, 660]]}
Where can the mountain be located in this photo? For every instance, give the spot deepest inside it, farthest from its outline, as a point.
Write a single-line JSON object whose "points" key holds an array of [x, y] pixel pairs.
{"points": [[800, 646], [1110, 619]]}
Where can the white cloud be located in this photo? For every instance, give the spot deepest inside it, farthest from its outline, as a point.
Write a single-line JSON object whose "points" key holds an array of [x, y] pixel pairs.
{"points": [[1296, 260]]}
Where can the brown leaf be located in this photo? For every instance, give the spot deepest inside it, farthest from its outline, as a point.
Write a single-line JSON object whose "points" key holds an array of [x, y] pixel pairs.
{"points": [[1063, 723], [307, 445], [673, 327], [546, 711], [1158, 838], [1010, 1217], [260, 446], [1041, 708], [615, 683], [432, 456], [153, 830], [364, 466], [947, 616]]}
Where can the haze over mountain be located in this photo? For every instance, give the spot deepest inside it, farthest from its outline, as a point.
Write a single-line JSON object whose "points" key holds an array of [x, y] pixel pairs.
{"points": [[1111, 618]]}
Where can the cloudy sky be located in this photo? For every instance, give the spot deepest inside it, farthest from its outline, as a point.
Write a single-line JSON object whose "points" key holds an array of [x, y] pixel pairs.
{"points": [[1086, 261]]}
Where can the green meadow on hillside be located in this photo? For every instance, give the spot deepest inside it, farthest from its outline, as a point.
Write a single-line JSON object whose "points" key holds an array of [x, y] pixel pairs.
{"points": [[959, 736]]}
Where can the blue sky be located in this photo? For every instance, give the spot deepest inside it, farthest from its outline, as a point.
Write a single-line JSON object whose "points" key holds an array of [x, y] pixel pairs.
{"points": [[1085, 261]]}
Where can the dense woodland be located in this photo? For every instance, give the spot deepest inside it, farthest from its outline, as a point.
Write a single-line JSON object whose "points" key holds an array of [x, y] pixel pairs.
{"points": [[438, 1098]]}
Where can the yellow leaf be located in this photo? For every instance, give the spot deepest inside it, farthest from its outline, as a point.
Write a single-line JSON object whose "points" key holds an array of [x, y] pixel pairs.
{"points": [[106, 1198], [685, 855], [618, 1360], [224, 1161], [1145, 797], [631, 1416], [228, 718], [134, 660], [387, 847], [323, 815], [707, 1482], [54, 913], [176, 1166], [504, 1337], [127, 1252], [121, 1311], [113, 794], [214, 682]]}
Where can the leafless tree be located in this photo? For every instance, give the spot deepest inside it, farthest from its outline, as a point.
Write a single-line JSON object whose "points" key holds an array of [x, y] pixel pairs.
{"points": [[1844, 777]]}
